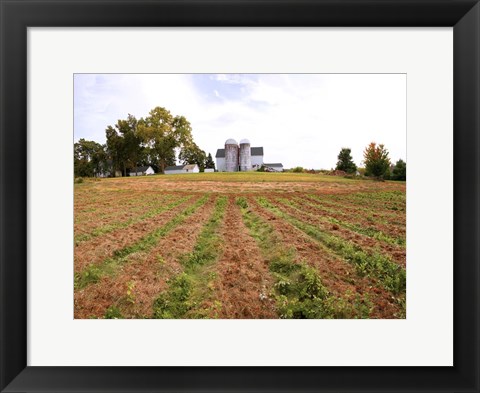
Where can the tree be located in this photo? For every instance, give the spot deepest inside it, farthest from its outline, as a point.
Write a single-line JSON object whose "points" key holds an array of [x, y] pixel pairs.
{"points": [[162, 134], [209, 163], [399, 171], [88, 158], [376, 161], [345, 161], [124, 144], [192, 154]]}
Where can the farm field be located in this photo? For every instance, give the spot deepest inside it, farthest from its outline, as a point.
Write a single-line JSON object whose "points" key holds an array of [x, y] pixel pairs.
{"points": [[239, 245]]}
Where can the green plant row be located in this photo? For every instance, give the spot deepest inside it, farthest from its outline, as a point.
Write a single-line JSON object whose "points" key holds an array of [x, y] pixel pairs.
{"points": [[389, 274], [383, 215], [104, 229], [386, 201], [111, 212], [187, 290], [298, 288], [363, 230], [109, 266]]}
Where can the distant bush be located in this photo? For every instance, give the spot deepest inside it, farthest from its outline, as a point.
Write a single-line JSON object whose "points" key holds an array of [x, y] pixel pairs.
{"points": [[297, 169], [399, 171], [79, 180]]}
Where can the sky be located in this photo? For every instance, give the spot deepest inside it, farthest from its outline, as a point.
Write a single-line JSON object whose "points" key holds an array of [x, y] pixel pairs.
{"points": [[299, 119]]}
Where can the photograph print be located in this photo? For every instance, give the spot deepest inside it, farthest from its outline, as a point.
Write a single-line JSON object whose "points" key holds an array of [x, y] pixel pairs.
{"points": [[239, 196]]}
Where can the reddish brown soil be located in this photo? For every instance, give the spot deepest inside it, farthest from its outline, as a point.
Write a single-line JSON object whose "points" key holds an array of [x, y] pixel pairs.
{"points": [[394, 220], [337, 275], [395, 253], [146, 272], [244, 282], [99, 248], [130, 210]]}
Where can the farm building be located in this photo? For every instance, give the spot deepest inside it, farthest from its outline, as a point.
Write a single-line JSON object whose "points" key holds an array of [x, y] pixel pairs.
{"points": [[273, 167], [177, 169], [142, 171], [235, 158]]}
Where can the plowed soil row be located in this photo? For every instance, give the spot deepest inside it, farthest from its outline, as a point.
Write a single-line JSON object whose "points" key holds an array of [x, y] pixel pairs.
{"points": [[393, 228], [337, 275], [108, 213], [95, 198], [121, 219], [244, 282], [390, 216], [144, 273], [157, 184], [369, 201], [102, 247], [396, 254]]}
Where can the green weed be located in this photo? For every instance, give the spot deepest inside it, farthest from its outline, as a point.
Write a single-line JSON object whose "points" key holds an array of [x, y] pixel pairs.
{"points": [[187, 290], [110, 266], [389, 274]]}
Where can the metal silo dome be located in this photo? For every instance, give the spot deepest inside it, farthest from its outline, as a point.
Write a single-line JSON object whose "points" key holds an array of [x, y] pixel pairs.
{"points": [[244, 141], [230, 142]]}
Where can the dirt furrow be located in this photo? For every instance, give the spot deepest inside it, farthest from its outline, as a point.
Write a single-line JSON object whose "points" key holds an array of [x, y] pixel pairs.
{"points": [[396, 253], [132, 291], [102, 247], [123, 217], [244, 282], [337, 275]]}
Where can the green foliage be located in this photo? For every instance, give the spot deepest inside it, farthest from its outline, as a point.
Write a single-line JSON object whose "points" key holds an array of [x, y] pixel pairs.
{"points": [[93, 273], [113, 313], [192, 154], [162, 133], [376, 265], [298, 169], [104, 229], [174, 303], [78, 180], [89, 158], [123, 144], [186, 289], [377, 163], [399, 171], [298, 288], [345, 162], [242, 202], [209, 163]]}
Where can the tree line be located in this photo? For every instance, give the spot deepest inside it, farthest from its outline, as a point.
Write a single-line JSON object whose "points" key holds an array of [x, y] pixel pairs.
{"points": [[154, 140], [377, 163]]}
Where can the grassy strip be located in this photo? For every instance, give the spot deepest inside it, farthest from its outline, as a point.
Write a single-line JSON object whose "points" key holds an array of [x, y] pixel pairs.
{"points": [[187, 290], [103, 230], [363, 230], [298, 290], [388, 273], [93, 273]]}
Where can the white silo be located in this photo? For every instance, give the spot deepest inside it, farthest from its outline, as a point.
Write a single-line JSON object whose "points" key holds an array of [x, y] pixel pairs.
{"points": [[245, 159], [231, 155]]}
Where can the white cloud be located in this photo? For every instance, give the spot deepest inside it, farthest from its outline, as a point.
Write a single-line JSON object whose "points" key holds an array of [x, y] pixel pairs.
{"points": [[299, 119]]}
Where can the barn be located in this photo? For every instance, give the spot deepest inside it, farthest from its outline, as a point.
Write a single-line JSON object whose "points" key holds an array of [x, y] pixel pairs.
{"points": [[242, 158], [252, 161], [277, 167], [142, 171], [178, 169]]}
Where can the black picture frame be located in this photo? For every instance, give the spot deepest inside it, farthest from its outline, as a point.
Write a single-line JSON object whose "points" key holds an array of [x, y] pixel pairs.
{"points": [[18, 15]]}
